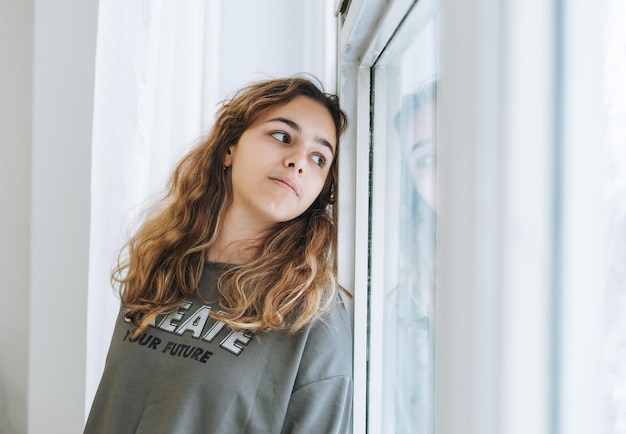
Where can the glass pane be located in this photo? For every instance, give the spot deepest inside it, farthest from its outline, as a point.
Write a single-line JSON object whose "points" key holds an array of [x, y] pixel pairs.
{"points": [[615, 297], [404, 147]]}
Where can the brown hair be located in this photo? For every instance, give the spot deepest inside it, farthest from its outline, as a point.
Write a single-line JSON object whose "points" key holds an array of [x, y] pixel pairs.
{"points": [[291, 281]]}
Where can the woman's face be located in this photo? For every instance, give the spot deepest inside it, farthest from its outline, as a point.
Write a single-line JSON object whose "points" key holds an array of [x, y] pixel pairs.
{"points": [[281, 162], [420, 148]]}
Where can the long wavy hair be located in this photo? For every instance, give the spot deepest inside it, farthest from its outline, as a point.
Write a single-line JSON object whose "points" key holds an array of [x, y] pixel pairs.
{"points": [[292, 279]]}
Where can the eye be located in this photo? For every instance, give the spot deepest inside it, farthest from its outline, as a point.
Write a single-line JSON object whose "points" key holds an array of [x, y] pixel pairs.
{"points": [[281, 136], [320, 160], [422, 157], [425, 161]]}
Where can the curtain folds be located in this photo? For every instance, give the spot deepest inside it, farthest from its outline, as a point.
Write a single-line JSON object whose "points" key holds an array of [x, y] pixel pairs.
{"points": [[148, 110]]}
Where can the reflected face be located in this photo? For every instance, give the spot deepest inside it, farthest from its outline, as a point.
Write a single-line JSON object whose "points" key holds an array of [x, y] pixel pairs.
{"points": [[418, 142], [280, 164]]}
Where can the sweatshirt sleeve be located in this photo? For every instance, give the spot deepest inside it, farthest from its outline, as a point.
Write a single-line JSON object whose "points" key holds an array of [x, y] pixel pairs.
{"points": [[323, 407]]}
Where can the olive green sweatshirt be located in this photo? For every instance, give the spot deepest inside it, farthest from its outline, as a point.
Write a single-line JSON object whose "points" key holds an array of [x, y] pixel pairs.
{"points": [[188, 373]]}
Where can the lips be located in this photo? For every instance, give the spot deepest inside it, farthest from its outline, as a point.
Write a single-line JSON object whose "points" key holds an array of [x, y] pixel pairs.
{"points": [[286, 183]]}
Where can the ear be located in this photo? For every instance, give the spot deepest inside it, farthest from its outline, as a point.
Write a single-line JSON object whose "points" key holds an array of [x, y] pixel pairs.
{"points": [[228, 158]]}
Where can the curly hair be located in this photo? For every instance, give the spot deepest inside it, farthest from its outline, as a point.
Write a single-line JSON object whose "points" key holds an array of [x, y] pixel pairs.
{"points": [[292, 280]]}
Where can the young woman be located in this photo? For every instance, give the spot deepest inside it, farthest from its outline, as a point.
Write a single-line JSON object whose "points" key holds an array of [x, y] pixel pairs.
{"points": [[232, 320]]}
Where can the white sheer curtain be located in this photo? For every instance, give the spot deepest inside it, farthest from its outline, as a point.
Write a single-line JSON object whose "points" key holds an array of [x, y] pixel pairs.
{"points": [[161, 69], [148, 108]]}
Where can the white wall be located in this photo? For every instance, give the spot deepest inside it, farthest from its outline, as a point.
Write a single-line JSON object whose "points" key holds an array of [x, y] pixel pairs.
{"points": [[16, 27], [46, 86], [63, 53]]}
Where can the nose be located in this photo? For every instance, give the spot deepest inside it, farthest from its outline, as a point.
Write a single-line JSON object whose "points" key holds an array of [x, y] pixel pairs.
{"points": [[296, 159], [294, 165]]}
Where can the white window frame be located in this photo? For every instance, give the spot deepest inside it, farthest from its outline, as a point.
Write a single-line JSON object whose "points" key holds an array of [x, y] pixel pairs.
{"points": [[357, 53]]}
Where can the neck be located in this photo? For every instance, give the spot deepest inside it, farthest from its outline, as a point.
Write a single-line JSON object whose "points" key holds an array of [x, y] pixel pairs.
{"points": [[237, 242]]}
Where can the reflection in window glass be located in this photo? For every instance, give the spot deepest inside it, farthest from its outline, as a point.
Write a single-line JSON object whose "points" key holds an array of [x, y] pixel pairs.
{"points": [[405, 77]]}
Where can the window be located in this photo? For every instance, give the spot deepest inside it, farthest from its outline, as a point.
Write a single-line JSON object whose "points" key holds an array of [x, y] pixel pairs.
{"points": [[397, 88], [484, 139], [403, 210]]}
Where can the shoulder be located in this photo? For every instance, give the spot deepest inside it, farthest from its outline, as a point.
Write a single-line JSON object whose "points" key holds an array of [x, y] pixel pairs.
{"points": [[334, 320], [335, 325], [328, 349]]}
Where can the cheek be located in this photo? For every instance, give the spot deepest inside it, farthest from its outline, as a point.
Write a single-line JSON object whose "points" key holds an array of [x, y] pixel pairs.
{"points": [[324, 191], [422, 179]]}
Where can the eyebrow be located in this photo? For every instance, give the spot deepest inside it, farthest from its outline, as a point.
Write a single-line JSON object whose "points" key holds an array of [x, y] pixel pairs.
{"points": [[296, 127], [421, 144]]}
